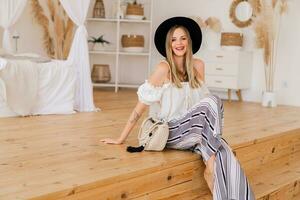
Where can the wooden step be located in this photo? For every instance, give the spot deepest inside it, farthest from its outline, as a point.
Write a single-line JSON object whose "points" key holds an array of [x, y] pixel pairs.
{"points": [[296, 197], [284, 168], [273, 181], [186, 191], [158, 184], [277, 180], [60, 157], [183, 179], [280, 146]]}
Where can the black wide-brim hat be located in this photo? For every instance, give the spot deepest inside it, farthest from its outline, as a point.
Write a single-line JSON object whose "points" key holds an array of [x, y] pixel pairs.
{"points": [[188, 23]]}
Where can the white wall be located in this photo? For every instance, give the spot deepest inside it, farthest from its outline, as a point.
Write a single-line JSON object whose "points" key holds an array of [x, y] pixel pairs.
{"points": [[29, 31], [1, 35], [288, 69]]}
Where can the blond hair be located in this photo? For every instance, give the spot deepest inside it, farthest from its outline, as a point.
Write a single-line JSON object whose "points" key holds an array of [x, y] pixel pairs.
{"points": [[188, 60]]}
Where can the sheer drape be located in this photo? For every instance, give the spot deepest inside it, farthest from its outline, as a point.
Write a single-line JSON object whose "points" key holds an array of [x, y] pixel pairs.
{"points": [[79, 56], [10, 11]]}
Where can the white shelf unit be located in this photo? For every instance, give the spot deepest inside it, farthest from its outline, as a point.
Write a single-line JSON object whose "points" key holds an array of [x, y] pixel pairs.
{"points": [[128, 69]]}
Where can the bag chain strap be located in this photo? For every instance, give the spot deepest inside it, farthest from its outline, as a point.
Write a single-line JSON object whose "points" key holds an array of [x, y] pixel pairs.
{"points": [[149, 131]]}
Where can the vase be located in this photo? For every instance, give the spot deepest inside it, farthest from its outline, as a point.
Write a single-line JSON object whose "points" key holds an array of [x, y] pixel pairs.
{"points": [[269, 99], [91, 46], [99, 47], [99, 9], [212, 39]]}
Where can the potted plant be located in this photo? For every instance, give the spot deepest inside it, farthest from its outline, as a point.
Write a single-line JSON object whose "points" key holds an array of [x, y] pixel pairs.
{"points": [[267, 28], [97, 43]]}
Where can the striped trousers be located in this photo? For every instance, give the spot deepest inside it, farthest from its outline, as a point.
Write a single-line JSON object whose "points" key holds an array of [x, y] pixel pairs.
{"points": [[200, 130]]}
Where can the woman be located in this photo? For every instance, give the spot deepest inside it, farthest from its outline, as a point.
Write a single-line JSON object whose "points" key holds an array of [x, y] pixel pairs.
{"points": [[176, 92]]}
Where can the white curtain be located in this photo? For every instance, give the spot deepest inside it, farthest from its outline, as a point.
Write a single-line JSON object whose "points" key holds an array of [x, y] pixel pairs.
{"points": [[79, 56], [10, 11]]}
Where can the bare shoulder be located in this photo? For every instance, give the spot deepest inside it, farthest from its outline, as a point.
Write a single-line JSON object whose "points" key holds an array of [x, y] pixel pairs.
{"points": [[160, 74], [199, 66], [162, 67]]}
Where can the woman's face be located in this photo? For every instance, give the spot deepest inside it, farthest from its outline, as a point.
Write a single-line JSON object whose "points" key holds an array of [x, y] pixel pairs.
{"points": [[179, 42]]}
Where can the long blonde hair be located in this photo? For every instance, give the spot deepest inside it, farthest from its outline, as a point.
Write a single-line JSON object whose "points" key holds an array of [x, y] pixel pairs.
{"points": [[188, 61]]}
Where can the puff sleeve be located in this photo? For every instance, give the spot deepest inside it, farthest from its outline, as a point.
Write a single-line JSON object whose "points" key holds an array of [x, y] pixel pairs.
{"points": [[149, 94]]}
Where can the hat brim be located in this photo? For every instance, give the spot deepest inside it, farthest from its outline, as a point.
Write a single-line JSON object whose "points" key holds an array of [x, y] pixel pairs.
{"points": [[188, 23]]}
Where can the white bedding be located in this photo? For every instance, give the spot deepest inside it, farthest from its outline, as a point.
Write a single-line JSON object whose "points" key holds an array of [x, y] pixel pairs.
{"points": [[34, 87], [20, 78]]}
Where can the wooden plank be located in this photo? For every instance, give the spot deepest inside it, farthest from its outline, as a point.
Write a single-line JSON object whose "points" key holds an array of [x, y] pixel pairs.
{"points": [[195, 189], [263, 152], [274, 180], [97, 173], [296, 197], [289, 191], [136, 186]]}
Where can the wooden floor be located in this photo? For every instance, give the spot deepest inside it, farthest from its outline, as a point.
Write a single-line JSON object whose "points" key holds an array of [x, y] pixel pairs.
{"points": [[58, 156]]}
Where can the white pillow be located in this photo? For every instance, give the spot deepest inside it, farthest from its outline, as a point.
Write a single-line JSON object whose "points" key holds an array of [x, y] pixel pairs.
{"points": [[2, 51], [56, 89], [5, 111], [3, 63]]}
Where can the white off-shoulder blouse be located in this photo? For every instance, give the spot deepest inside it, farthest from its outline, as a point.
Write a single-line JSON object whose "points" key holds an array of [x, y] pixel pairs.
{"points": [[159, 99]]}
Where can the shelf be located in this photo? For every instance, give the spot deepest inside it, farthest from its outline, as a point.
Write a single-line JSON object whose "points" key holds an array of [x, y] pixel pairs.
{"points": [[126, 62], [128, 85], [134, 21], [116, 20], [120, 53], [103, 52], [113, 85], [134, 54], [101, 20], [103, 84]]}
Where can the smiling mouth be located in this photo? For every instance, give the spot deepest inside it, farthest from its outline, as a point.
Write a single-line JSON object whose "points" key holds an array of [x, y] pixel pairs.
{"points": [[179, 48]]}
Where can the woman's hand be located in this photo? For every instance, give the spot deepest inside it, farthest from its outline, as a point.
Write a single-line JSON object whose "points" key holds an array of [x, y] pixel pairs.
{"points": [[111, 141]]}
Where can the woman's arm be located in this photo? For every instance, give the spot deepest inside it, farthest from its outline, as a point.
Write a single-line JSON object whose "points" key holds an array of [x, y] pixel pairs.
{"points": [[134, 117], [156, 79]]}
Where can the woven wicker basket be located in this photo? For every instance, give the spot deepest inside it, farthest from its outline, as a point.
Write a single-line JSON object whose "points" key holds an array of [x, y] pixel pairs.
{"points": [[135, 9], [132, 41], [231, 39], [101, 73]]}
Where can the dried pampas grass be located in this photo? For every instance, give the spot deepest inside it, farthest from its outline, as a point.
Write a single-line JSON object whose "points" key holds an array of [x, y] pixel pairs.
{"points": [[267, 29], [199, 21], [58, 28], [264, 29], [68, 35], [51, 7], [256, 5], [43, 21], [283, 7], [214, 24], [262, 39], [59, 35], [274, 2]]}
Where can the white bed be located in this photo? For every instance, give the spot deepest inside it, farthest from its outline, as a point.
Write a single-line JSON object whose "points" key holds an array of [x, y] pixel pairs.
{"points": [[31, 85]]}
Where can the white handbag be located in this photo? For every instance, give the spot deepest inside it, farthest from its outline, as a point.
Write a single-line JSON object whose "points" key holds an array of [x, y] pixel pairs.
{"points": [[153, 134]]}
